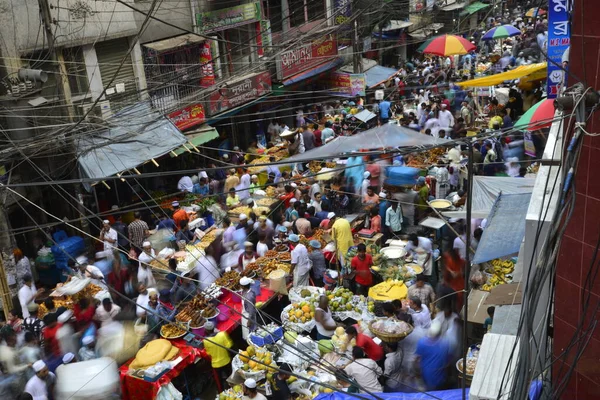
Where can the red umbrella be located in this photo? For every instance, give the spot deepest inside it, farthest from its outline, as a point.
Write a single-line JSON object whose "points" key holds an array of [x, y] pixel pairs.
{"points": [[449, 45]]}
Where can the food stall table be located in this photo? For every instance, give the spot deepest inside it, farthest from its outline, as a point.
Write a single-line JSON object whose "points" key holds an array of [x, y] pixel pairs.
{"points": [[376, 239], [133, 388], [266, 296]]}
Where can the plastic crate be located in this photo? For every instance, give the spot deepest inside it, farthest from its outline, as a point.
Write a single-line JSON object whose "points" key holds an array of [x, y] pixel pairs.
{"points": [[269, 339]]}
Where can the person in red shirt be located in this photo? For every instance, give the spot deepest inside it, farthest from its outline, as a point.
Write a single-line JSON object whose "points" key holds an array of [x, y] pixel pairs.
{"points": [[52, 347], [179, 214], [289, 194], [361, 269], [84, 313], [371, 349]]}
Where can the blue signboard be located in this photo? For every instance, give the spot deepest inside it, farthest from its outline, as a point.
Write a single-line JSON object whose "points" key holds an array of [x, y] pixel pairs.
{"points": [[342, 11], [559, 40]]}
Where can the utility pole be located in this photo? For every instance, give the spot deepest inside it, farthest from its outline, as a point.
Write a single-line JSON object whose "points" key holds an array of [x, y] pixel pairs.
{"points": [[356, 56], [64, 90]]}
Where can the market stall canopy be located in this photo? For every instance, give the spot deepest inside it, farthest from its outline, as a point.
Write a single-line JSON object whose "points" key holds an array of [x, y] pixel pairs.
{"points": [[314, 71], [505, 229], [473, 8], [385, 136], [378, 75], [452, 394], [540, 115], [395, 25], [519, 72], [451, 5], [365, 116], [400, 176], [198, 137], [486, 190], [425, 32], [449, 45], [138, 134]]}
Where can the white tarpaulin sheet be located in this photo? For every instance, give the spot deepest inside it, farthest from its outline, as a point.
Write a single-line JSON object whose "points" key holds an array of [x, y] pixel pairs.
{"points": [[385, 136]]}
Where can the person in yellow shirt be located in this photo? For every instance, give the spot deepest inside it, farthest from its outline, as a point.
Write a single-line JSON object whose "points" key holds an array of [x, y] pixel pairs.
{"points": [[341, 232], [216, 345]]}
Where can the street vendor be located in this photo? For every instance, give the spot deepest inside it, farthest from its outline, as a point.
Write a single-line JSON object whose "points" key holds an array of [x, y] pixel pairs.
{"points": [[317, 259], [144, 274], [179, 214], [371, 349], [361, 270], [27, 295], [282, 235], [254, 185], [301, 264], [420, 249], [109, 237], [247, 257], [325, 324], [233, 199], [249, 306], [250, 392]]}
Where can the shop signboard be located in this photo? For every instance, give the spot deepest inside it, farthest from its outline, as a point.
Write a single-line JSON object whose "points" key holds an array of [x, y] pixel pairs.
{"points": [[559, 40], [345, 84], [342, 11], [304, 57], [227, 18], [208, 73], [188, 117], [239, 92]]}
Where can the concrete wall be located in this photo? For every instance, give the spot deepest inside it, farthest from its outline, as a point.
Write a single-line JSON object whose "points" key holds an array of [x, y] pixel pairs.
{"points": [[178, 13], [78, 22]]}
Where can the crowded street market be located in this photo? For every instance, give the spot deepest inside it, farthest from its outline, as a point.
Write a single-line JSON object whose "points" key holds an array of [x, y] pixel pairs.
{"points": [[355, 247]]}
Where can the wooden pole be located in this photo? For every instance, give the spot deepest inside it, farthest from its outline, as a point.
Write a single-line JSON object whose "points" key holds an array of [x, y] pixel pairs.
{"points": [[4, 290]]}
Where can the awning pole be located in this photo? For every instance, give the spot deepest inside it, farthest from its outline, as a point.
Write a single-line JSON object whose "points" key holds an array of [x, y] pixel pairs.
{"points": [[467, 269]]}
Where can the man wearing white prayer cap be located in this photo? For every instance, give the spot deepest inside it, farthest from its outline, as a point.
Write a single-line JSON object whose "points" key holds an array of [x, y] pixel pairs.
{"points": [[38, 385], [144, 274], [87, 351], [365, 184], [250, 392], [109, 237], [248, 306]]}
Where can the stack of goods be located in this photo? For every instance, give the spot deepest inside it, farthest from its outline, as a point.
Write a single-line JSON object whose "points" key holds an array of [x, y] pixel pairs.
{"points": [[267, 334], [197, 311], [158, 263], [403, 273], [254, 363], [237, 211], [344, 304], [498, 272], [390, 329], [276, 151], [153, 352], [299, 316], [341, 341], [425, 159], [235, 393], [321, 236], [263, 266], [173, 330], [207, 239], [472, 357], [68, 294], [230, 280], [265, 202], [309, 294], [188, 261], [315, 166], [388, 291]]}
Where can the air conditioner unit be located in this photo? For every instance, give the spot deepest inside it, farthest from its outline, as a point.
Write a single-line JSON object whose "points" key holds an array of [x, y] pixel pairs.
{"points": [[102, 110]]}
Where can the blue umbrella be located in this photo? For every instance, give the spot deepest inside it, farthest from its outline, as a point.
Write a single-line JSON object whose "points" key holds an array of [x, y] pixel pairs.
{"points": [[501, 32]]}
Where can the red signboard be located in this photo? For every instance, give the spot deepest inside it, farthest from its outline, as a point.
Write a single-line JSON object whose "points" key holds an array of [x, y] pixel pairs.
{"points": [[305, 57], [188, 117], [239, 92], [208, 73]]}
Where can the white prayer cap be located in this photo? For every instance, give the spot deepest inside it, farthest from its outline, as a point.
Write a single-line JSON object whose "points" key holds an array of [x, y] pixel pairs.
{"points": [[382, 195], [366, 174], [146, 244], [65, 316], [331, 215], [250, 383], [87, 340], [243, 217], [38, 365], [67, 358], [245, 281], [106, 222]]}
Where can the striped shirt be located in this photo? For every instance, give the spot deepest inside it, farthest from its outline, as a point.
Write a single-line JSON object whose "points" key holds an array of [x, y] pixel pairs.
{"points": [[137, 232]]}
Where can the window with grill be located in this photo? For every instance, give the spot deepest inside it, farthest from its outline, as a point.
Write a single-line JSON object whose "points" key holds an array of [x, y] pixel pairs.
{"points": [[75, 66]]}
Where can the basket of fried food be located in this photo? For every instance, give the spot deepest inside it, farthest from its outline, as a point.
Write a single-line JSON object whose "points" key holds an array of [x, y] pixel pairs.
{"points": [[284, 257], [230, 280], [390, 329], [174, 330], [281, 248]]}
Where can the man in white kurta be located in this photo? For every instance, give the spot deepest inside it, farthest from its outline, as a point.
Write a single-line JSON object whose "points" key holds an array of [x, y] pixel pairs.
{"points": [[37, 386], [445, 118], [300, 262]]}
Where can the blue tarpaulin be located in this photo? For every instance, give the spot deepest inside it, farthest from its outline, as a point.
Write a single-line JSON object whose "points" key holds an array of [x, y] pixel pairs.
{"points": [[400, 176], [378, 74], [453, 394], [505, 228]]}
